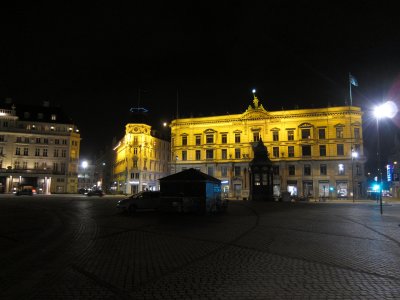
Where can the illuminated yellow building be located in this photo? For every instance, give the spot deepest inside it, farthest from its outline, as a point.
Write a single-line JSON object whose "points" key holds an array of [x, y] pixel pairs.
{"points": [[140, 160], [315, 152]]}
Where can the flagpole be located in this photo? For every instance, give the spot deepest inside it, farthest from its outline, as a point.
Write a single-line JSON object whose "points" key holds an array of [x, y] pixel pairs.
{"points": [[351, 98]]}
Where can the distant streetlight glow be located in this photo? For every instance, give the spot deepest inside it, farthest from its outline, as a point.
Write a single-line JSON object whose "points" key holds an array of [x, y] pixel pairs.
{"points": [[253, 91], [165, 124], [84, 165]]}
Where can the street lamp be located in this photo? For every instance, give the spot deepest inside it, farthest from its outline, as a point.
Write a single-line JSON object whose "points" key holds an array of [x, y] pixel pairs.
{"points": [[84, 166], [354, 155], [386, 110]]}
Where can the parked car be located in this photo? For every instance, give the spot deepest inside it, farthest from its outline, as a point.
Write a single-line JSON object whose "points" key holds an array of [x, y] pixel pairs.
{"points": [[142, 200], [28, 192], [99, 193], [82, 191]]}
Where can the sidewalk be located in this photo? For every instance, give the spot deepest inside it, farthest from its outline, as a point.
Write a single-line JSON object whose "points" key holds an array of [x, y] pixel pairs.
{"points": [[385, 200]]}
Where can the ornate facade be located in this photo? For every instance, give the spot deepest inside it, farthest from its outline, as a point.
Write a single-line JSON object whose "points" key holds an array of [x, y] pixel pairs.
{"points": [[140, 160], [315, 153], [39, 147]]}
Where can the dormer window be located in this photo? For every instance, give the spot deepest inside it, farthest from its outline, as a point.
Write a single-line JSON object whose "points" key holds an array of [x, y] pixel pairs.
{"points": [[40, 116], [53, 117]]}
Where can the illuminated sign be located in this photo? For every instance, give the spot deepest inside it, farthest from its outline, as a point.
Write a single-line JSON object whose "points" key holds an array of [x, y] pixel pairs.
{"points": [[389, 172]]}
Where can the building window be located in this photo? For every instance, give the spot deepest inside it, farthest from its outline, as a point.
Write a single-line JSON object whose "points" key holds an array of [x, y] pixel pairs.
{"points": [[237, 138], [44, 152], [341, 169], [290, 135], [275, 136], [36, 165], [339, 132], [321, 133], [64, 142], [184, 155], [307, 170], [135, 140], [224, 171], [37, 152], [306, 150], [256, 136], [55, 167], [209, 138], [209, 154], [56, 141], [19, 139], [322, 170], [63, 153], [292, 170], [37, 140], [275, 151], [224, 153], [56, 152], [1, 151], [26, 151], [237, 153], [237, 170], [45, 141], [184, 140], [340, 149], [53, 117], [25, 165], [306, 134], [291, 151], [16, 164], [356, 133], [224, 138], [275, 170], [198, 139], [322, 150], [26, 140], [2, 138], [18, 151], [198, 154], [63, 168]]}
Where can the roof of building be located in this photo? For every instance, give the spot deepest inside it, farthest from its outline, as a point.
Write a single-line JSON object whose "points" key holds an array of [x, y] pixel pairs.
{"points": [[190, 175], [38, 113]]}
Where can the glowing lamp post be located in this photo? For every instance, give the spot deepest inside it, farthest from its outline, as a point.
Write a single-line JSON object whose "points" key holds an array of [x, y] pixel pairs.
{"points": [[354, 155], [84, 166], [385, 110]]}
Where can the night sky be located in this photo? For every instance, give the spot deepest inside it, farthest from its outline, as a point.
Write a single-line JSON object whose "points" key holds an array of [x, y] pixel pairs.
{"points": [[92, 60]]}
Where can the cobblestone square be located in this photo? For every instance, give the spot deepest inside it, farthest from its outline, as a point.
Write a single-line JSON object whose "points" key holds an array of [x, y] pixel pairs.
{"points": [[74, 247]]}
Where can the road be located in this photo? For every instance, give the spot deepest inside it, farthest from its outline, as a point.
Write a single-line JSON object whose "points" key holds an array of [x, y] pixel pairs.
{"points": [[78, 247]]}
